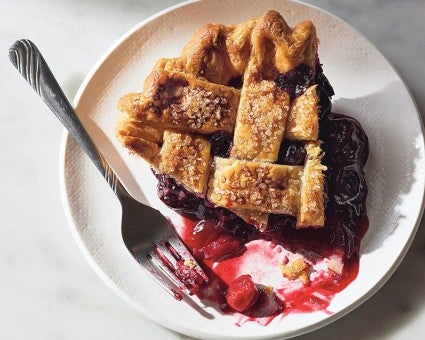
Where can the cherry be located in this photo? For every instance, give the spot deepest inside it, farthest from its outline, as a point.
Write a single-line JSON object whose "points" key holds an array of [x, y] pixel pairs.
{"points": [[292, 153], [221, 143], [174, 195], [242, 293], [180, 199], [296, 81], [222, 248], [189, 276], [236, 82], [322, 81], [347, 139], [204, 232], [325, 106]]}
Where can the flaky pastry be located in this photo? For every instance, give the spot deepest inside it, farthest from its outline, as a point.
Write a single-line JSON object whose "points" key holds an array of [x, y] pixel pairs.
{"points": [[225, 81]]}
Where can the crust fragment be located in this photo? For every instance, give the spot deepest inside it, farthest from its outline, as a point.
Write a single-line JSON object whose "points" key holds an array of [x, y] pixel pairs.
{"points": [[297, 269]]}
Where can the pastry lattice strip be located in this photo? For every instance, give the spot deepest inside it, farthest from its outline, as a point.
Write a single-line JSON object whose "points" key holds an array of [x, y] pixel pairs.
{"points": [[177, 100]]}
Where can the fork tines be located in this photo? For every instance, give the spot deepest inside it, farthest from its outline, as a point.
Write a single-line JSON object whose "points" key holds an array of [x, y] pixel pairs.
{"points": [[171, 259]]}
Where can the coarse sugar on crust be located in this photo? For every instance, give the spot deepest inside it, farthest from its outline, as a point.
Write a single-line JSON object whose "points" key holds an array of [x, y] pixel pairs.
{"points": [[311, 211], [261, 121], [255, 186], [186, 158], [177, 100], [303, 118]]}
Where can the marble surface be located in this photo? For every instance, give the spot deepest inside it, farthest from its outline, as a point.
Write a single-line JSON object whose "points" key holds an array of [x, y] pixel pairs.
{"points": [[48, 290]]}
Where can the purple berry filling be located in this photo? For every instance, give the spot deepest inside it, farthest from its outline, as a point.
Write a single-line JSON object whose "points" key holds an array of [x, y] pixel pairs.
{"points": [[292, 153], [296, 81]]}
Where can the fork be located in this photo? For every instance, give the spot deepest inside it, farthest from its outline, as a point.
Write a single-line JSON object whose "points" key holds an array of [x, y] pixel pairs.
{"points": [[146, 233]]}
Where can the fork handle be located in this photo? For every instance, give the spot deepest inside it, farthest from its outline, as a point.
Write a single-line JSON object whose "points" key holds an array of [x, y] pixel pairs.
{"points": [[28, 60]]}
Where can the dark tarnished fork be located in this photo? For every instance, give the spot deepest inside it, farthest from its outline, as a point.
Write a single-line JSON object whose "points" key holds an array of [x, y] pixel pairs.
{"points": [[147, 234]]}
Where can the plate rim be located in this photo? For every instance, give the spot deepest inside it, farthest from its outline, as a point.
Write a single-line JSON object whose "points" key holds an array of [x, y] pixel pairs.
{"points": [[64, 144]]}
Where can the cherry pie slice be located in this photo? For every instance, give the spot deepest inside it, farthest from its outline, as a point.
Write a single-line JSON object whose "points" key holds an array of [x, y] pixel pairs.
{"points": [[239, 132], [258, 84]]}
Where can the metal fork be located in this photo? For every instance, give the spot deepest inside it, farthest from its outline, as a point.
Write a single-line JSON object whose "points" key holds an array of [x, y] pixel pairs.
{"points": [[147, 234]]}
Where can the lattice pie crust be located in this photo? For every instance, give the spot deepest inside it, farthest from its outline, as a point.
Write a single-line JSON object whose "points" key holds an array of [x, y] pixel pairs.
{"points": [[186, 99]]}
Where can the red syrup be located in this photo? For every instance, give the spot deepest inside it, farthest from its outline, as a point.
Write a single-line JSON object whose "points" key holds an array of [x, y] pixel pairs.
{"points": [[227, 247], [261, 258]]}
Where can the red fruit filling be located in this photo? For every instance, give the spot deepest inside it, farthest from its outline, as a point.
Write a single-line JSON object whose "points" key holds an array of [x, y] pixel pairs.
{"points": [[222, 248], [242, 293], [189, 276]]}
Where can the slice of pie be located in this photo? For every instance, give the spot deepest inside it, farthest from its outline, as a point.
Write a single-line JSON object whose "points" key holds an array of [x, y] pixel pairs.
{"points": [[260, 84]]}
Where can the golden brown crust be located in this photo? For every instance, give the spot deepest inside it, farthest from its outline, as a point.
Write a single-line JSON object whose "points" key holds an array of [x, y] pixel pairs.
{"points": [[185, 99], [176, 100], [218, 52], [203, 56], [277, 48], [303, 119], [186, 158], [261, 121], [311, 211], [134, 128], [141, 147], [255, 186], [140, 139], [297, 269]]}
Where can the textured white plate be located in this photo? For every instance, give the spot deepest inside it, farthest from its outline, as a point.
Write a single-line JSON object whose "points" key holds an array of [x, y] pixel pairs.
{"points": [[366, 87]]}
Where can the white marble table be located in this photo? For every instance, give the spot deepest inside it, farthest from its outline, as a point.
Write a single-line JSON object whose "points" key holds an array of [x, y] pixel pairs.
{"points": [[48, 291]]}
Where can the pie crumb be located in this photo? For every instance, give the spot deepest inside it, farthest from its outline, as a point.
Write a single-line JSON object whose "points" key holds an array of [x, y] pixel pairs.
{"points": [[297, 269]]}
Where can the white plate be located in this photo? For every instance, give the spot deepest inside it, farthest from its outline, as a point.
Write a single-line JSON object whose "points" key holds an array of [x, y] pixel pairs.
{"points": [[366, 87]]}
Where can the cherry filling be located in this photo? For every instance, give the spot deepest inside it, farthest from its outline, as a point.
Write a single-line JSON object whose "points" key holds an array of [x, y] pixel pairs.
{"points": [[242, 293], [292, 153], [215, 234], [296, 81], [347, 140], [221, 143]]}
